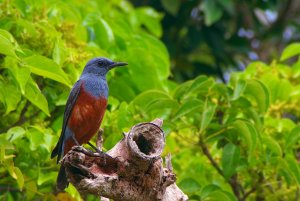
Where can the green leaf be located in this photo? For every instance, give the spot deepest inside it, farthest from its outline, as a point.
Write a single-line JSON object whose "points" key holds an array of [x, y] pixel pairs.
{"points": [[182, 89], [239, 89], [189, 106], [4, 144], [45, 67], [211, 11], [100, 30], [35, 137], [15, 133], [105, 36], [293, 137], [35, 96], [160, 107], [19, 177], [16, 173], [146, 98], [230, 160], [141, 63], [293, 167], [280, 89], [6, 44], [148, 17], [11, 95], [290, 51], [201, 85], [209, 189], [258, 91], [248, 132], [272, 145], [45, 177], [207, 115], [21, 74], [189, 185], [59, 52]]}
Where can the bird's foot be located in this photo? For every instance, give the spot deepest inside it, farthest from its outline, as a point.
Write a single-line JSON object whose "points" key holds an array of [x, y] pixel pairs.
{"points": [[82, 149], [95, 148]]}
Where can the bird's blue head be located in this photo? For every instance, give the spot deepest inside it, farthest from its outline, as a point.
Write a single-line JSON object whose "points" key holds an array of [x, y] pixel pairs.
{"points": [[100, 66]]}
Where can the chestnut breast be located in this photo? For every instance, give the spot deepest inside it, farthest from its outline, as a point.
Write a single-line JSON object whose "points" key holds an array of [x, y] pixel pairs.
{"points": [[87, 115]]}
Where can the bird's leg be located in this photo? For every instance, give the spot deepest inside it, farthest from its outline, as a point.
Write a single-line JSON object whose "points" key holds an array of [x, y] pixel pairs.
{"points": [[76, 142], [99, 141]]}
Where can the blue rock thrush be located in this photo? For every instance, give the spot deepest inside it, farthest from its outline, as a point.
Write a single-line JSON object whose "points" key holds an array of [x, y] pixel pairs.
{"points": [[84, 110]]}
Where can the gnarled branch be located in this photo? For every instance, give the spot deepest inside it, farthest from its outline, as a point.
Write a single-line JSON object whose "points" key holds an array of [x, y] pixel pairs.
{"points": [[131, 170]]}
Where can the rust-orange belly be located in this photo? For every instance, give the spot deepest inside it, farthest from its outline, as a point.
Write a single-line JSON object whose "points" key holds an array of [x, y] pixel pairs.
{"points": [[85, 118]]}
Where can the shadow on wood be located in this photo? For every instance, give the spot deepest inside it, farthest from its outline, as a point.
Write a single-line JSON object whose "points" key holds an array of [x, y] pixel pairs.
{"points": [[131, 170]]}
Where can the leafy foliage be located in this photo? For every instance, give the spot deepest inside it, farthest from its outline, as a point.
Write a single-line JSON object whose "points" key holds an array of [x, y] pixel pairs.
{"points": [[232, 141]]}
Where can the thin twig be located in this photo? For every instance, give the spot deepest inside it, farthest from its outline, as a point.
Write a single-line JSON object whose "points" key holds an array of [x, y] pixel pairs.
{"points": [[209, 156], [233, 182]]}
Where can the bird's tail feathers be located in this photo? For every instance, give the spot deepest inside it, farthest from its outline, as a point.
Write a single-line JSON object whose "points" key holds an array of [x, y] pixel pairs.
{"points": [[55, 151], [62, 181]]}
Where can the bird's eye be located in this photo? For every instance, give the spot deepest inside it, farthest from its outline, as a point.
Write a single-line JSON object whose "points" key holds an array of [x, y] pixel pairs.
{"points": [[100, 63]]}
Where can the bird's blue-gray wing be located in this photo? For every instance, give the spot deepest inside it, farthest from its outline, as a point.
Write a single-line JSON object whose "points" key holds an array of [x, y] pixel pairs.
{"points": [[57, 151]]}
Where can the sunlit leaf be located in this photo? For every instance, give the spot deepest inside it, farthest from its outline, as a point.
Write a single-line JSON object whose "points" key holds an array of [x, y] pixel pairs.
{"points": [[150, 19], [6, 44], [104, 33], [239, 89], [16, 173], [21, 75], [257, 90], [207, 114], [290, 51], [36, 138], [59, 52], [11, 95], [34, 95], [15, 133], [247, 132], [45, 67]]}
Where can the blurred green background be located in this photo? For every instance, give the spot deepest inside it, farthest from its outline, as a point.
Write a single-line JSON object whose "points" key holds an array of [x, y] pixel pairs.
{"points": [[222, 74]]}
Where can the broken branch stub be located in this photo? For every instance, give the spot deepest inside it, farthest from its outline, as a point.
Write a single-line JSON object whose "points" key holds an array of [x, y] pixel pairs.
{"points": [[131, 170]]}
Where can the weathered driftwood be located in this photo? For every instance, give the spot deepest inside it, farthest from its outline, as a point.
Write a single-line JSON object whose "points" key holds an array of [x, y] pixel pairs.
{"points": [[131, 170]]}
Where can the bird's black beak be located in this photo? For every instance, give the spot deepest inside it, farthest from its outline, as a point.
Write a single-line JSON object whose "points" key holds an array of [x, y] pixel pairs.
{"points": [[116, 64]]}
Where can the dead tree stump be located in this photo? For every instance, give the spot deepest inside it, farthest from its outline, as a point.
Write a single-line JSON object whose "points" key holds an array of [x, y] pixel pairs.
{"points": [[131, 170]]}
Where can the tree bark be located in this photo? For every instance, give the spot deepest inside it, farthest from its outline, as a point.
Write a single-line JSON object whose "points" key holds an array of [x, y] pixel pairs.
{"points": [[131, 170]]}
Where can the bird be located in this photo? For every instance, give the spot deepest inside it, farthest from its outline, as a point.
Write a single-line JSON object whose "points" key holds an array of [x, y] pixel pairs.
{"points": [[84, 110]]}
